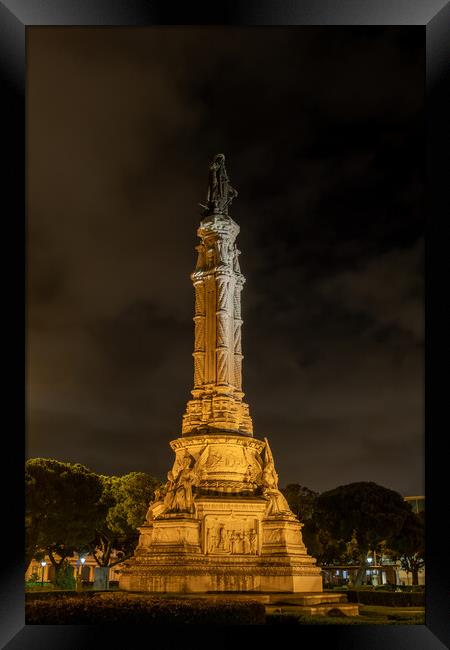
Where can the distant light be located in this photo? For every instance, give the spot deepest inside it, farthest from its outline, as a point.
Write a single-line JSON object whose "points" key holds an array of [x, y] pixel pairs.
{"points": [[82, 560], [43, 563], [370, 559]]}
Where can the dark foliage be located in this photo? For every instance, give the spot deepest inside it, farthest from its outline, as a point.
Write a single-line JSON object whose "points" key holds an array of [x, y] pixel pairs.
{"points": [[365, 512], [134, 609], [387, 598]]}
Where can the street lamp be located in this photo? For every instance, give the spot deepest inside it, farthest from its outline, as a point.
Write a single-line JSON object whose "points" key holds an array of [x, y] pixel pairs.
{"points": [[43, 564]]}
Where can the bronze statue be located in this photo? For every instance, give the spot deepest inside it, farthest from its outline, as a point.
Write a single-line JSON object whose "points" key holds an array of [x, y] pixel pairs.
{"points": [[220, 191]]}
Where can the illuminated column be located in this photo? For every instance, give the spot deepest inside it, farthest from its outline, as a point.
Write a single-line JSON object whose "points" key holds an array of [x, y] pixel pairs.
{"points": [[237, 336], [199, 344], [217, 279], [223, 330]]}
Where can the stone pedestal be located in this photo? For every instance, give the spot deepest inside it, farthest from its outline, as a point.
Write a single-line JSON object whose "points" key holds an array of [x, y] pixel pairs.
{"points": [[228, 542]]}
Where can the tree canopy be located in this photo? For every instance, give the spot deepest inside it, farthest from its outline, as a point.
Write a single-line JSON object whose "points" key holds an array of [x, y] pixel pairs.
{"points": [[366, 512], [408, 545], [63, 508], [71, 509], [127, 498]]}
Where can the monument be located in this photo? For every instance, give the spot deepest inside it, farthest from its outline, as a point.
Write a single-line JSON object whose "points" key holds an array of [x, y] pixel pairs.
{"points": [[220, 522]]}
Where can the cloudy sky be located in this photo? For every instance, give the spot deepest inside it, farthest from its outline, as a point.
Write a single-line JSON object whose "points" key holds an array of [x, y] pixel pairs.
{"points": [[323, 133]]}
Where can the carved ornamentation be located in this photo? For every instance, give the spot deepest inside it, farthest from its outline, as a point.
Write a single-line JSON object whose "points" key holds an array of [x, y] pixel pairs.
{"points": [[200, 297], [199, 343], [222, 296], [222, 333], [237, 336], [201, 257], [237, 374], [199, 368], [226, 538], [222, 366], [237, 301]]}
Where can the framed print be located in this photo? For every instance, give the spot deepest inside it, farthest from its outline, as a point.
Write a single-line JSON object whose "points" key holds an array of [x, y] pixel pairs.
{"points": [[227, 265]]}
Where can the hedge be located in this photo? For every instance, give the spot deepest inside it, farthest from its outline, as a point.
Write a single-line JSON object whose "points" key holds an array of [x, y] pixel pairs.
{"points": [[107, 608], [387, 598]]}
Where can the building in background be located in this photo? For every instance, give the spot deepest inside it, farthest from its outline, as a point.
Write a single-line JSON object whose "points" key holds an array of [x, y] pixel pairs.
{"points": [[417, 503], [84, 568]]}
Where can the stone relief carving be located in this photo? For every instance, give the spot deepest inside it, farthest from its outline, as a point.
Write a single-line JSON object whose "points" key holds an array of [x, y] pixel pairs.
{"points": [[229, 458], [224, 252], [273, 536], [229, 538]]}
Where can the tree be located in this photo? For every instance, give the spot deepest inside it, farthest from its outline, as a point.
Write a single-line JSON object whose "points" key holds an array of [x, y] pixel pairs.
{"points": [[409, 545], [366, 512], [63, 509], [302, 500], [127, 498]]}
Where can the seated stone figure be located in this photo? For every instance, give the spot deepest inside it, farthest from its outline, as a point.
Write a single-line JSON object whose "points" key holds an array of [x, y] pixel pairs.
{"points": [[277, 501]]}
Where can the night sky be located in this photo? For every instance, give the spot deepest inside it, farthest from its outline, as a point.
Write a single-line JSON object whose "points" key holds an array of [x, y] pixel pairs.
{"points": [[322, 129]]}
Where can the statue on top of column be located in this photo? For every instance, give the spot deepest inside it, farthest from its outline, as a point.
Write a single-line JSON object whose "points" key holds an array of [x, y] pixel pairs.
{"points": [[220, 191]]}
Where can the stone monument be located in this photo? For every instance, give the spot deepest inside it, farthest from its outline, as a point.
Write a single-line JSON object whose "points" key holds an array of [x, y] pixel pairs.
{"points": [[220, 522]]}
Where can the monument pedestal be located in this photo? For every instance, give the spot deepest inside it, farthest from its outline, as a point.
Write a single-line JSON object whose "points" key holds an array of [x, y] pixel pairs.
{"points": [[227, 544]]}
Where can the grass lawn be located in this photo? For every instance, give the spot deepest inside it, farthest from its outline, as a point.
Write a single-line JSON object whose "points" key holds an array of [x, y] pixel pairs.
{"points": [[368, 615]]}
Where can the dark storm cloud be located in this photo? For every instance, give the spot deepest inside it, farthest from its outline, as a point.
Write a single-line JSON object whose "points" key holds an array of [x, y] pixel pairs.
{"points": [[321, 128]]}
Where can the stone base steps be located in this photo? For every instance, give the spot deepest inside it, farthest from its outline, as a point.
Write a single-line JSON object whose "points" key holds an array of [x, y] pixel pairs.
{"points": [[324, 609], [315, 598], [312, 604]]}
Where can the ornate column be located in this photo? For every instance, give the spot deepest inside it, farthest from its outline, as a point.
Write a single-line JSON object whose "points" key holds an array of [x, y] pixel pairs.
{"points": [[217, 394], [237, 329], [223, 330], [199, 344]]}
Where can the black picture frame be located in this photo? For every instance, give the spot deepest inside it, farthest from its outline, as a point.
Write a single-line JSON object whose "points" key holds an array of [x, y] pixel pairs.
{"points": [[15, 17]]}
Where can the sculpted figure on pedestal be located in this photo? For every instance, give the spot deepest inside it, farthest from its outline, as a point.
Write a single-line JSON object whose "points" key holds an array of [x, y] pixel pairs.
{"points": [[176, 495], [183, 498], [220, 191], [156, 507], [277, 502]]}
